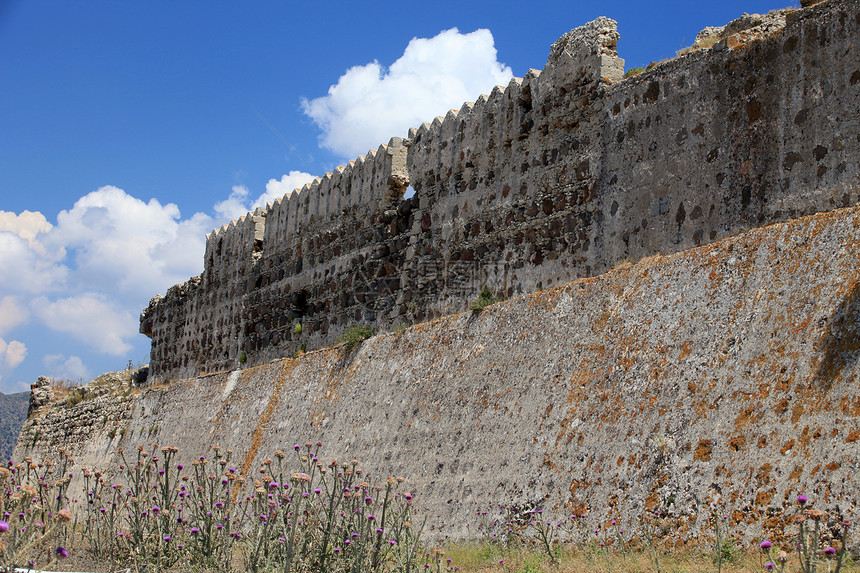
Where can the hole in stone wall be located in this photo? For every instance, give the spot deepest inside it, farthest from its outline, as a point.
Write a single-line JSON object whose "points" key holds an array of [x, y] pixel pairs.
{"points": [[409, 192], [299, 304]]}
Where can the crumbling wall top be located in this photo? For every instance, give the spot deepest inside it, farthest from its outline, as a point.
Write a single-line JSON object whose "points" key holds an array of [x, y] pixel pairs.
{"points": [[589, 49]]}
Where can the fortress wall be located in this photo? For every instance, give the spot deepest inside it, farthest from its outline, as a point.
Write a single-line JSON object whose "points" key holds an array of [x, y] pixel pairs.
{"points": [[559, 175], [723, 140], [315, 242], [722, 379]]}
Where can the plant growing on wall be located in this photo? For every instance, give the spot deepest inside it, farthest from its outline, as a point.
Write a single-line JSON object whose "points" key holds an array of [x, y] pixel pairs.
{"points": [[355, 334], [485, 299]]}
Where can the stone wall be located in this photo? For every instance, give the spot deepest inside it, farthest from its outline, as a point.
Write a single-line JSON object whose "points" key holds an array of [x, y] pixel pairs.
{"points": [[725, 374], [559, 175]]}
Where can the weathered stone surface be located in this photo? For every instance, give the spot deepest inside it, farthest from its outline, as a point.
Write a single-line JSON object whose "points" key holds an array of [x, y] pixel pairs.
{"points": [[727, 372], [40, 394], [558, 175]]}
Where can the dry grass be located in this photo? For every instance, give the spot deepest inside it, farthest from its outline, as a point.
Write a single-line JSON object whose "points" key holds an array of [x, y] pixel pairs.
{"points": [[702, 45], [484, 558]]}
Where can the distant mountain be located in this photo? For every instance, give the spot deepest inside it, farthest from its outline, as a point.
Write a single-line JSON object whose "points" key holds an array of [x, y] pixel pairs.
{"points": [[13, 412]]}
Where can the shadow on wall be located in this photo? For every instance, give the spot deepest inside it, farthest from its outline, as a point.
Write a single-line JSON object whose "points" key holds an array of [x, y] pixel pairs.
{"points": [[840, 347]]}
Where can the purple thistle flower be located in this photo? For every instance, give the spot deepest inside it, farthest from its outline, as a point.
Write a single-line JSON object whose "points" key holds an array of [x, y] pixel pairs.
{"points": [[802, 499], [273, 485], [195, 531], [167, 538], [4, 526], [769, 566], [61, 553], [830, 551], [766, 545]]}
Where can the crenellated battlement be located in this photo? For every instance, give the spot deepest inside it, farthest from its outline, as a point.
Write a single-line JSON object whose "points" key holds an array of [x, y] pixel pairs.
{"points": [[559, 175]]}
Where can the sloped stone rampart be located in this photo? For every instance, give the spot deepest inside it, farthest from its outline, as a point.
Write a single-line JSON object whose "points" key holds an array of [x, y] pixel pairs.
{"points": [[559, 175], [727, 372]]}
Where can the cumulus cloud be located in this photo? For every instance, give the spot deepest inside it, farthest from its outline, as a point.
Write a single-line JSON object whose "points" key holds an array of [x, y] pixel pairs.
{"points": [[116, 239], [233, 206], [89, 274], [370, 104], [277, 188], [60, 367], [25, 270], [12, 353], [91, 318], [12, 313], [28, 225], [237, 204]]}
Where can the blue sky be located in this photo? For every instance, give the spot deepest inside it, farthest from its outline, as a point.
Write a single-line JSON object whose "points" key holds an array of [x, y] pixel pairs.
{"points": [[128, 130]]}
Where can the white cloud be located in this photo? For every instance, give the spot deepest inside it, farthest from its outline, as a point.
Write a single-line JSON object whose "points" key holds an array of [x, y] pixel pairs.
{"points": [[369, 104], [91, 318], [118, 240], [12, 313], [24, 269], [275, 189], [233, 206], [237, 203], [60, 367], [12, 353], [28, 225], [90, 274]]}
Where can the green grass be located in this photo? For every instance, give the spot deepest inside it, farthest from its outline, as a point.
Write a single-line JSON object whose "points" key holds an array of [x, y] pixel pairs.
{"points": [[485, 299], [354, 335]]}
